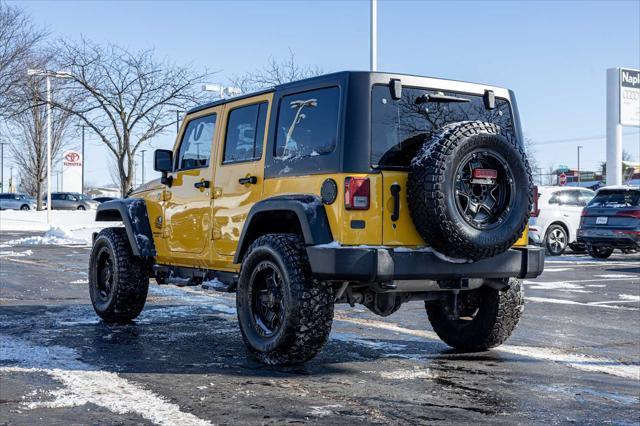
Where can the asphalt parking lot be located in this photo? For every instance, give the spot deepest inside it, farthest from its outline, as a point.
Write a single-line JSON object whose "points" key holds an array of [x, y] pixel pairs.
{"points": [[575, 356]]}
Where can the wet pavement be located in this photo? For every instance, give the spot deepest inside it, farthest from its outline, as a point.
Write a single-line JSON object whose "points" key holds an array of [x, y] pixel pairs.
{"points": [[575, 356]]}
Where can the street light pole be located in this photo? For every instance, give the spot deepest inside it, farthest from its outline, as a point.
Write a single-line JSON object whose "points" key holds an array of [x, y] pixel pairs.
{"points": [[48, 149], [374, 35], [142, 152], [83, 159], [48, 74], [579, 148], [2, 144]]}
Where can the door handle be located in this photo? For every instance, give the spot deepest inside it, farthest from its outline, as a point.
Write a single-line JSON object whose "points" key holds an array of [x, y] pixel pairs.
{"points": [[395, 193], [249, 180], [202, 184]]}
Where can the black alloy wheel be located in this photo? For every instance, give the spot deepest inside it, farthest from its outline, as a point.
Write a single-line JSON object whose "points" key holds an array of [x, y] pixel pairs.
{"points": [[267, 299], [484, 202], [105, 273]]}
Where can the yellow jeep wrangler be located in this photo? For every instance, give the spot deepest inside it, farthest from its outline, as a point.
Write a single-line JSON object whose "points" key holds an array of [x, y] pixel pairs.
{"points": [[353, 187]]}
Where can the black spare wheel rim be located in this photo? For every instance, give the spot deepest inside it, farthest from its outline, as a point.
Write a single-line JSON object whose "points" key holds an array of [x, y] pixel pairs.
{"points": [[267, 299], [104, 274], [484, 189]]}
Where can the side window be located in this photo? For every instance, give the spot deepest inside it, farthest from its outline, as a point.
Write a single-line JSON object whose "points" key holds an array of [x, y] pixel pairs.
{"points": [[55, 196], [308, 123], [245, 133], [195, 148], [567, 198]]}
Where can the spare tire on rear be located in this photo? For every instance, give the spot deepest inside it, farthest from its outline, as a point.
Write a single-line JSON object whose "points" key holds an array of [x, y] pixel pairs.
{"points": [[470, 191]]}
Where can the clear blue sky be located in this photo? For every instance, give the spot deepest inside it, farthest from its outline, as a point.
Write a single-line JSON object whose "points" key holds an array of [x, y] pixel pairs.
{"points": [[553, 54]]}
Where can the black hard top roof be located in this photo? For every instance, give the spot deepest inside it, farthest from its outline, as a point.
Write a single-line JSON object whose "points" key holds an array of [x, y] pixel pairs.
{"points": [[320, 78]]}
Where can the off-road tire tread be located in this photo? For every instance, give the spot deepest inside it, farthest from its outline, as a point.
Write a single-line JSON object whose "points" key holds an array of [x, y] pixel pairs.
{"points": [[501, 314], [132, 284], [310, 322], [427, 204]]}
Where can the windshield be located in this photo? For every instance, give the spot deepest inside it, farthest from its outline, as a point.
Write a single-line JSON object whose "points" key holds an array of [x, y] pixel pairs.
{"points": [[399, 127], [616, 198]]}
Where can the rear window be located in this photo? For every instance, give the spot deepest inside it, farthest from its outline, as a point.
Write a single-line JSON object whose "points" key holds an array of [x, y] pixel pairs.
{"points": [[399, 127], [616, 198]]}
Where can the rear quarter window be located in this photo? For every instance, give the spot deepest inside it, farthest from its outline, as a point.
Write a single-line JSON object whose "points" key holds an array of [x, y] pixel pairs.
{"points": [[307, 124]]}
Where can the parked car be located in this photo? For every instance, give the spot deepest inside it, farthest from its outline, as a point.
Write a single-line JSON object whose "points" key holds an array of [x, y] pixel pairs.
{"points": [[360, 188], [72, 201], [10, 201], [555, 218], [611, 221], [103, 199], [634, 180]]}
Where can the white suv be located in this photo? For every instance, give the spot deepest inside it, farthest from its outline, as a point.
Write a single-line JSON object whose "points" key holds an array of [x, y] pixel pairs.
{"points": [[555, 218]]}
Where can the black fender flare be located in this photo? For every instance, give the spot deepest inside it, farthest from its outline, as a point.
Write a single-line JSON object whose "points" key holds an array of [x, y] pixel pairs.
{"points": [[133, 213], [309, 210]]}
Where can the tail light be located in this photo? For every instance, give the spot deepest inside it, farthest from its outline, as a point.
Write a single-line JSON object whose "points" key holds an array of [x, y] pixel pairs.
{"points": [[356, 193], [584, 212], [535, 210], [629, 213]]}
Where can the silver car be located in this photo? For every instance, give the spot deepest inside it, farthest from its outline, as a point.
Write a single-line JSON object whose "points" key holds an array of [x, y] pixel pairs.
{"points": [[72, 201], [10, 201]]}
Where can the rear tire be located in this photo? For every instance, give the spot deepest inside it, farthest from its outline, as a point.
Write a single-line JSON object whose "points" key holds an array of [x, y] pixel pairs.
{"points": [[285, 315], [555, 240], [491, 317], [118, 280], [600, 252]]}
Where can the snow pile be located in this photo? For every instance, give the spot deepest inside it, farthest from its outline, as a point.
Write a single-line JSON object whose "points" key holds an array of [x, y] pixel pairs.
{"points": [[67, 227]]}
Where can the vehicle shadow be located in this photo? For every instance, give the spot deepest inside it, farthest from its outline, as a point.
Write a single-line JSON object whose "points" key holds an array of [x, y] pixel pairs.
{"points": [[186, 339]]}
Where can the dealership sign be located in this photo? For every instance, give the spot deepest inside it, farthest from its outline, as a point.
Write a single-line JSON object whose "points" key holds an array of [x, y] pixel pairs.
{"points": [[629, 97], [72, 171]]}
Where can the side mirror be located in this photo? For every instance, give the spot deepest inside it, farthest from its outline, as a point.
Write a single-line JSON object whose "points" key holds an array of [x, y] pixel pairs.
{"points": [[163, 162]]}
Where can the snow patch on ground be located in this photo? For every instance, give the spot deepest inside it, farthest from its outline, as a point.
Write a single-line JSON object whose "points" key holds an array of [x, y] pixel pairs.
{"points": [[323, 410], [630, 297], [84, 384], [408, 374], [615, 276], [11, 253], [67, 227]]}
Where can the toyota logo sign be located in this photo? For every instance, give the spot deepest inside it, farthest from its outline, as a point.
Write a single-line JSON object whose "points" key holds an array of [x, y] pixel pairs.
{"points": [[72, 159]]}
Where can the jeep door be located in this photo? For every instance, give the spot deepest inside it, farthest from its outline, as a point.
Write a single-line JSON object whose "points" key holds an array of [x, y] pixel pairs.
{"points": [[240, 169], [188, 198]]}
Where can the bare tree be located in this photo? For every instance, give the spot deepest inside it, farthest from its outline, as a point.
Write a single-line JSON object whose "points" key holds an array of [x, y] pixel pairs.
{"points": [[18, 39], [274, 73], [125, 97], [28, 128]]}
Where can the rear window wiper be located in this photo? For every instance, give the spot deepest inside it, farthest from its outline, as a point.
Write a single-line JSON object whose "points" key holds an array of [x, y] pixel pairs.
{"points": [[439, 98]]}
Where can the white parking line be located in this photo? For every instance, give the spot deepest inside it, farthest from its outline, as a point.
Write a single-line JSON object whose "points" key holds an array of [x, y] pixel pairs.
{"points": [[84, 384], [591, 304]]}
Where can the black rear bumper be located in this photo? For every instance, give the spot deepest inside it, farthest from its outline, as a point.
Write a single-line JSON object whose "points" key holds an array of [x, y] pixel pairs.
{"points": [[373, 264]]}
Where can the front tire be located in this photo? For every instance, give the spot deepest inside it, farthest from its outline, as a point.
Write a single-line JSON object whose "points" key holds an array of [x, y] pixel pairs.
{"points": [[285, 315], [556, 240], [81, 208], [600, 252], [118, 280], [24, 207], [487, 317]]}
